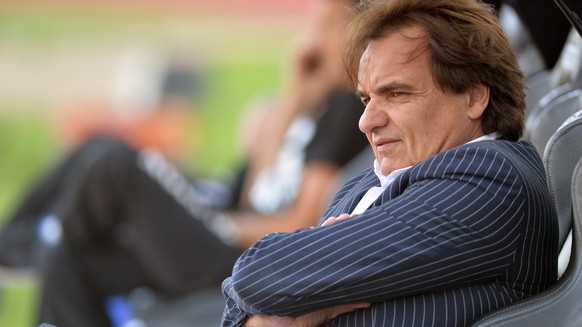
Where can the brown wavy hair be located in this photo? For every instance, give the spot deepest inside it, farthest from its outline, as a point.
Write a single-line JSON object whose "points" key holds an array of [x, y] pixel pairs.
{"points": [[468, 47]]}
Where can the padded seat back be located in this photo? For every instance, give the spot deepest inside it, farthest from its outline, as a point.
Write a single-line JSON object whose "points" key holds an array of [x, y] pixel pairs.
{"points": [[550, 119], [530, 58], [548, 87], [563, 151]]}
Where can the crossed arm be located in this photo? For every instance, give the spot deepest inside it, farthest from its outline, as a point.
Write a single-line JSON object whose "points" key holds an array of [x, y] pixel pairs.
{"points": [[315, 318]]}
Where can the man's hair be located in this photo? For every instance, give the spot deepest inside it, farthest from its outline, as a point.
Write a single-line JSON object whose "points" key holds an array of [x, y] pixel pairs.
{"points": [[467, 45], [350, 3]]}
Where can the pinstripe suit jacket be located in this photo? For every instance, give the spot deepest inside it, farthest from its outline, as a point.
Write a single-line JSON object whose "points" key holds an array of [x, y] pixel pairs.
{"points": [[457, 235]]}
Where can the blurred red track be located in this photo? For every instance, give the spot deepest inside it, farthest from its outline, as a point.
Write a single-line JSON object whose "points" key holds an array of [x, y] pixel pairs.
{"points": [[288, 7]]}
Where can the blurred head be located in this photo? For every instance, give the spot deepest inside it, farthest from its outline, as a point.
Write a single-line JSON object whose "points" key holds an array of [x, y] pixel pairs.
{"points": [[324, 33], [433, 75]]}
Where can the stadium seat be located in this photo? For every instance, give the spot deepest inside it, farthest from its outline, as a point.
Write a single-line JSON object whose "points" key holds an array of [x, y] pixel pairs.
{"points": [[547, 87], [550, 119], [530, 58]]}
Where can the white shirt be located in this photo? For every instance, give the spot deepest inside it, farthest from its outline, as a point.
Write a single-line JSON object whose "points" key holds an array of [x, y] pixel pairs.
{"points": [[385, 180]]}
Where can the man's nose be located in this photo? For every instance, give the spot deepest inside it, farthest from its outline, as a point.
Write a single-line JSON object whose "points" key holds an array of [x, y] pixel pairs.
{"points": [[372, 118]]}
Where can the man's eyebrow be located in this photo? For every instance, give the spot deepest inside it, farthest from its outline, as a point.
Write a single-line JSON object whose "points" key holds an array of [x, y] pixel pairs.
{"points": [[385, 88], [391, 86]]}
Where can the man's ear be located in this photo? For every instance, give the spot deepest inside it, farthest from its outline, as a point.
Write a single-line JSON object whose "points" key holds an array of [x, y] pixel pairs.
{"points": [[478, 100]]}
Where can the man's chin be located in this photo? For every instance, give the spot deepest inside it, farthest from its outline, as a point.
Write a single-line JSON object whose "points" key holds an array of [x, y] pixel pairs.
{"points": [[387, 166]]}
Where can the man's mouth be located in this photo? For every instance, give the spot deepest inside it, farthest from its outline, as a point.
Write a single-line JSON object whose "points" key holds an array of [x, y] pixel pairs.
{"points": [[384, 144]]}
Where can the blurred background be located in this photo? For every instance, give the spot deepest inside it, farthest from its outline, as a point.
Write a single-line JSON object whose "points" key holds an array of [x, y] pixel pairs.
{"points": [[182, 70]]}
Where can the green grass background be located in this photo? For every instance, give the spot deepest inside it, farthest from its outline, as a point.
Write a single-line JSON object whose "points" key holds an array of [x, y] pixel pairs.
{"points": [[241, 69]]}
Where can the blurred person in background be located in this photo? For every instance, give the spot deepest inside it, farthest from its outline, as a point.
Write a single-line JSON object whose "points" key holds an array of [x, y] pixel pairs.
{"points": [[153, 104], [130, 219]]}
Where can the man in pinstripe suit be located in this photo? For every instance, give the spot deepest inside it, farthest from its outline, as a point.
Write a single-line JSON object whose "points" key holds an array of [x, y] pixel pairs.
{"points": [[455, 219]]}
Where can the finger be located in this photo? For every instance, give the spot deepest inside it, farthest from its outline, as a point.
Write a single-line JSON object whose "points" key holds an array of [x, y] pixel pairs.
{"points": [[332, 220], [341, 309], [269, 321], [343, 216], [329, 221]]}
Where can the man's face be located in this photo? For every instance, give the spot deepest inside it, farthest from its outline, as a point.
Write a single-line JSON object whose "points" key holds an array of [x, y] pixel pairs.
{"points": [[407, 117]]}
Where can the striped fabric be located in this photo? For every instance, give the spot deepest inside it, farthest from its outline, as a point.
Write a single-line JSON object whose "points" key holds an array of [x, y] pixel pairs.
{"points": [[457, 235]]}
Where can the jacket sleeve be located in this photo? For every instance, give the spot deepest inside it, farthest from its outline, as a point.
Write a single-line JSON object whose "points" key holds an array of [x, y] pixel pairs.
{"points": [[456, 222], [233, 315]]}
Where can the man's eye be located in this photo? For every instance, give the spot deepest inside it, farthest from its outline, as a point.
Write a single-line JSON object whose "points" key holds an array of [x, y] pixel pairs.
{"points": [[398, 94], [365, 101]]}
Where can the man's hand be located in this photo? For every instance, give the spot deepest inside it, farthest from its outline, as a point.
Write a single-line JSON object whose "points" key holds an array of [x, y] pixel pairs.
{"points": [[312, 319], [333, 220]]}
